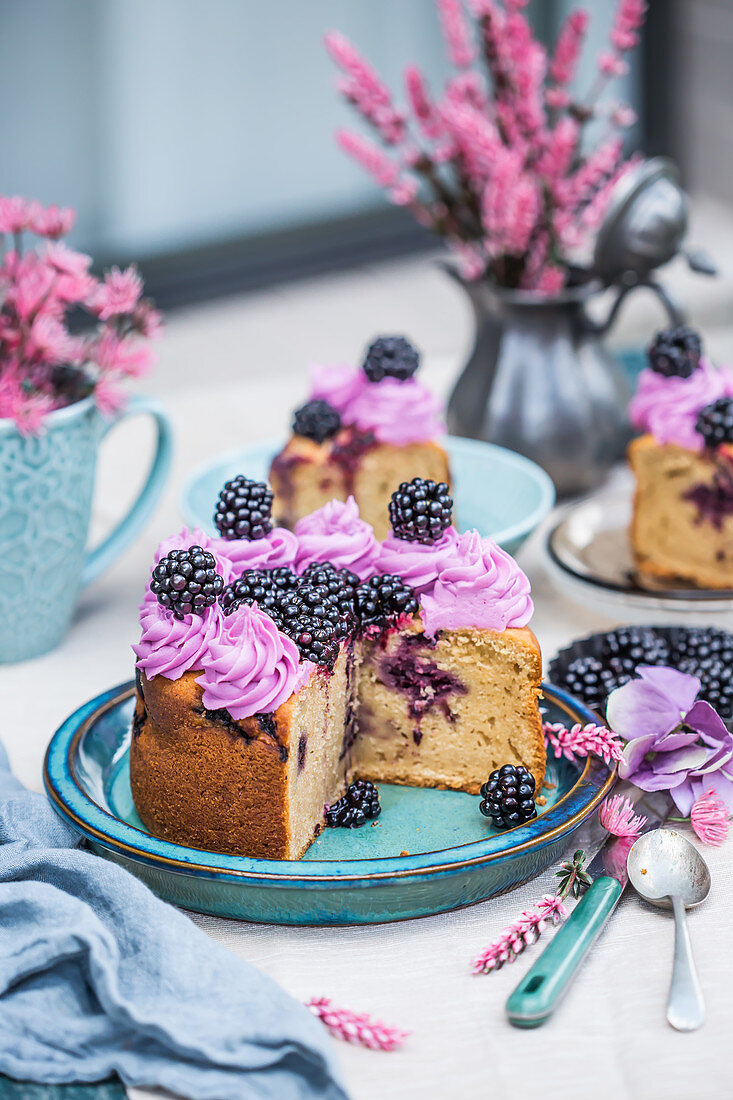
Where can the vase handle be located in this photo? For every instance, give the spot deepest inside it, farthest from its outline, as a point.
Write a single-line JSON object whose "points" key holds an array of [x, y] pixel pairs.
{"points": [[675, 312], [102, 556]]}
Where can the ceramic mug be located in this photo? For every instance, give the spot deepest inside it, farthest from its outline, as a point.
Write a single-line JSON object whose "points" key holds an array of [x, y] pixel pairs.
{"points": [[46, 489]]}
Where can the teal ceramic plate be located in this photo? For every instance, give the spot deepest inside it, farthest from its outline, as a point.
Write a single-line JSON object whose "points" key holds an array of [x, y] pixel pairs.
{"points": [[453, 856], [500, 493]]}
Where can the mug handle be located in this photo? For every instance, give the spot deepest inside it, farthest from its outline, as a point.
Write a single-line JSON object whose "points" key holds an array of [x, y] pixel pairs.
{"points": [[102, 556]]}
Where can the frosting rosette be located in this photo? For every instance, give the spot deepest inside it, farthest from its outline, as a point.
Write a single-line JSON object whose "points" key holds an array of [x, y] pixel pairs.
{"points": [[252, 668], [418, 564], [394, 411], [668, 407], [336, 533], [480, 585], [276, 549], [169, 646]]}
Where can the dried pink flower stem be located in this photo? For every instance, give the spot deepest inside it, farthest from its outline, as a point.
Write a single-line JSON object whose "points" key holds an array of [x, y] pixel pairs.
{"points": [[523, 932], [581, 741], [356, 1027]]}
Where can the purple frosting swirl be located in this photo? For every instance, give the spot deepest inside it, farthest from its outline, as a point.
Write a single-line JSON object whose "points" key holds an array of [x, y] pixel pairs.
{"points": [[276, 549], [252, 668], [169, 646], [395, 412], [418, 565], [480, 586], [337, 534], [668, 407]]}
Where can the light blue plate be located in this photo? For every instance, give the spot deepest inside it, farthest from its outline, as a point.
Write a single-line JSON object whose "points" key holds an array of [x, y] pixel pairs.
{"points": [[500, 493], [348, 876]]}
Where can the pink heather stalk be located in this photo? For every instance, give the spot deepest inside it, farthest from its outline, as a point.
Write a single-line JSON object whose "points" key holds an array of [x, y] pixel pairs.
{"points": [[425, 112], [476, 139], [365, 90], [581, 741], [470, 258], [548, 281], [568, 48], [629, 19], [617, 817], [461, 49], [623, 116], [510, 206], [610, 64], [467, 90], [576, 190], [523, 932], [369, 156], [561, 144], [355, 1027], [710, 819]]}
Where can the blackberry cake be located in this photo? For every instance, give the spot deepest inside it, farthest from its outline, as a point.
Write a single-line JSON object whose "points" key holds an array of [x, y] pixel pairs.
{"points": [[275, 672], [361, 433], [682, 524]]}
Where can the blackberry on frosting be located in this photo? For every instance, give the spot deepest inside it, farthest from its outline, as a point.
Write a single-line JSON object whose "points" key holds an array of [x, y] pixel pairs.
{"points": [[244, 509], [316, 420], [421, 510], [383, 600], [715, 422], [186, 582], [675, 352], [391, 357], [261, 586]]}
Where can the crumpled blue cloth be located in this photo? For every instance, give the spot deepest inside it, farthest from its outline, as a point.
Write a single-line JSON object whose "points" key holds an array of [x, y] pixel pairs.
{"points": [[97, 976]]}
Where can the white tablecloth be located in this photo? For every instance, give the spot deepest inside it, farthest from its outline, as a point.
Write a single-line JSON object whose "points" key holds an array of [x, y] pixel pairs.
{"points": [[609, 1039]]}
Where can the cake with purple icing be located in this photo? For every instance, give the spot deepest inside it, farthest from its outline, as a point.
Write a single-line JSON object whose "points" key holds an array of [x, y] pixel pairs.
{"points": [[361, 433], [682, 524], [274, 670]]}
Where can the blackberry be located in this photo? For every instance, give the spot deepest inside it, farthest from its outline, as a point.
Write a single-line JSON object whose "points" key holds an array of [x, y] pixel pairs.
{"points": [[358, 805], [316, 420], [319, 602], [715, 422], [265, 587], [390, 357], [244, 509], [675, 352], [316, 635], [508, 796], [641, 645], [340, 584], [384, 599], [420, 510], [186, 581], [707, 652], [589, 679]]}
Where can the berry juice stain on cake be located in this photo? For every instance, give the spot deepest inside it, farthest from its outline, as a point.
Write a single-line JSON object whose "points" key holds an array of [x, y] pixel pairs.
{"points": [[302, 750], [714, 500], [348, 453], [421, 680]]}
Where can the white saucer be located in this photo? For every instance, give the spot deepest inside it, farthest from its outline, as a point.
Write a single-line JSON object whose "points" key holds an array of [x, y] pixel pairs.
{"points": [[589, 558]]}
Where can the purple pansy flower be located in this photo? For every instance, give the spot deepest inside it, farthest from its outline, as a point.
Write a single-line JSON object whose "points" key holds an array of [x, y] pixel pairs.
{"points": [[673, 742]]}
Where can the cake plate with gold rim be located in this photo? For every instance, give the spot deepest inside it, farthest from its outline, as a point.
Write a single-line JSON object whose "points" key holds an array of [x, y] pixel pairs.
{"points": [[430, 850]]}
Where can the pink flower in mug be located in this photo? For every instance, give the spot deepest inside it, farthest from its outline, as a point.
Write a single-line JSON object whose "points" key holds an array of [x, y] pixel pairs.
{"points": [[53, 221], [116, 355], [17, 214], [74, 283], [146, 320], [109, 395], [118, 293], [31, 290], [49, 341]]}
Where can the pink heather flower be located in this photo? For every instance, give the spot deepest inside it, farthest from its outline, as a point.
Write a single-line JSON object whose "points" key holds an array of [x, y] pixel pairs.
{"points": [[455, 31], [557, 98], [404, 192], [53, 221], [422, 106], [548, 281], [568, 48], [623, 116], [476, 138], [364, 89], [581, 741], [467, 90], [510, 206], [611, 64], [560, 147], [710, 819], [118, 293], [523, 932], [470, 258], [617, 816], [629, 19], [109, 395], [369, 156], [355, 1027]]}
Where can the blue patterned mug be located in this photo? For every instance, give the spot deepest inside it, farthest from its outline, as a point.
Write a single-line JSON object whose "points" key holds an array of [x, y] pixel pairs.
{"points": [[46, 488]]}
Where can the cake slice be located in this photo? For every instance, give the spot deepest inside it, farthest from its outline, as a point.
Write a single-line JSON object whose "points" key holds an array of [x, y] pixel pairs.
{"points": [[682, 523], [360, 434]]}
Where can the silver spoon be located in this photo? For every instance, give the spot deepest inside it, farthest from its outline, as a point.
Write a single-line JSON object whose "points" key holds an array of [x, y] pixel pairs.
{"points": [[670, 872]]}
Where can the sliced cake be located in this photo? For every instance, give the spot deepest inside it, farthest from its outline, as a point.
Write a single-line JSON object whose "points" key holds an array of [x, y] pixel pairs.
{"points": [[263, 690], [682, 525], [360, 434]]}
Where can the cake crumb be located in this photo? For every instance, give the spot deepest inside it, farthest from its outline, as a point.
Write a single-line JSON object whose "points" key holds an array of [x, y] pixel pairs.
{"points": [[404, 853], [541, 801], [643, 870], [548, 785]]}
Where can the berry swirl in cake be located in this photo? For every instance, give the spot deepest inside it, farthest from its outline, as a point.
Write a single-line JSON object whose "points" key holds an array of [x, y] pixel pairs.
{"points": [[260, 698], [682, 527], [360, 434]]}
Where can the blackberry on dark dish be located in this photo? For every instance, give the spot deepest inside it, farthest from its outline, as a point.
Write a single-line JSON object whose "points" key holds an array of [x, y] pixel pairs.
{"points": [[383, 600], [508, 796], [186, 581], [359, 805], [642, 645], [316, 420], [244, 509], [420, 510], [675, 352], [264, 587], [590, 679], [391, 357], [715, 422]]}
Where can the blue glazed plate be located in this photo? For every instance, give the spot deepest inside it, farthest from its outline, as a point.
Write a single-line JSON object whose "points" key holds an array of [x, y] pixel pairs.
{"points": [[500, 493], [452, 855]]}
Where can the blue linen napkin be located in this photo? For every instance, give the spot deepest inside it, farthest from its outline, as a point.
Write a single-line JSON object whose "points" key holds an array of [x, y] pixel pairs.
{"points": [[97, 976]]}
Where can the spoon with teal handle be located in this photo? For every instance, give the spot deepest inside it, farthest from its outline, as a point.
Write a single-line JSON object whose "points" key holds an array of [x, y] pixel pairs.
{"points": [[542, 988], [668, 871]]}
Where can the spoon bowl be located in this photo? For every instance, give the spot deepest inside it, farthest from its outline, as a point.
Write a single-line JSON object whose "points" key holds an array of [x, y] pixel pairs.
{"points": [[666, 870], [663, 864]]}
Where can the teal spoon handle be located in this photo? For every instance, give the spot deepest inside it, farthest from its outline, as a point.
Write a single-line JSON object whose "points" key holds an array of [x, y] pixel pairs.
{"points": [[535, 998]]}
